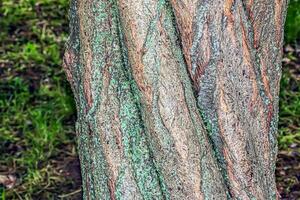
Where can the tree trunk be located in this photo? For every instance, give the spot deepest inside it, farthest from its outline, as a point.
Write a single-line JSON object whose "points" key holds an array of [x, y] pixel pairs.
{"points": [[176, 99]]}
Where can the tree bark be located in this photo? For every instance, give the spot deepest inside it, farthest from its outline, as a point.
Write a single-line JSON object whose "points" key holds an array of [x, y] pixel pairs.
{"points": [[176, 99]]}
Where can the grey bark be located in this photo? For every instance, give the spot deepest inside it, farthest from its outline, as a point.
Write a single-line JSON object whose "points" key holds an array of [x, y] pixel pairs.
{"points": [[176, 99]]}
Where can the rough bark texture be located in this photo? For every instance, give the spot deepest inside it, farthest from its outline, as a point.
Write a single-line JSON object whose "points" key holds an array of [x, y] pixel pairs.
{"points": [[176, 99]]}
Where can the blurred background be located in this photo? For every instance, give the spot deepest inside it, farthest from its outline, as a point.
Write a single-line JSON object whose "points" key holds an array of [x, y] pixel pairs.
{"points": [[38, 158]]}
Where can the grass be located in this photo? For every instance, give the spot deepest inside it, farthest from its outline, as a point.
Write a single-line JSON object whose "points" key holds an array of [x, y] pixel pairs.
{"points": [[292, 24], [289, 105], [36, 104], [37, 108], [32, 131]]}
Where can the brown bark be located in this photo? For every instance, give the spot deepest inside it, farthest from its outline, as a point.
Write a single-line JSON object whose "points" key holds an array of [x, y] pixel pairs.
{"points": [[176, 100]]}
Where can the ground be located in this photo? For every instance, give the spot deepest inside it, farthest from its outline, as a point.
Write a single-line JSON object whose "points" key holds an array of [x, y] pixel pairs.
{"points": [[37, 113], [288, 160]]}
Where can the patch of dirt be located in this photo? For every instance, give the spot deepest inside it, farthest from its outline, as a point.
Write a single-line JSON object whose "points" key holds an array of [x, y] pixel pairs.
{"points": [[70, 169], [288, 174]]}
